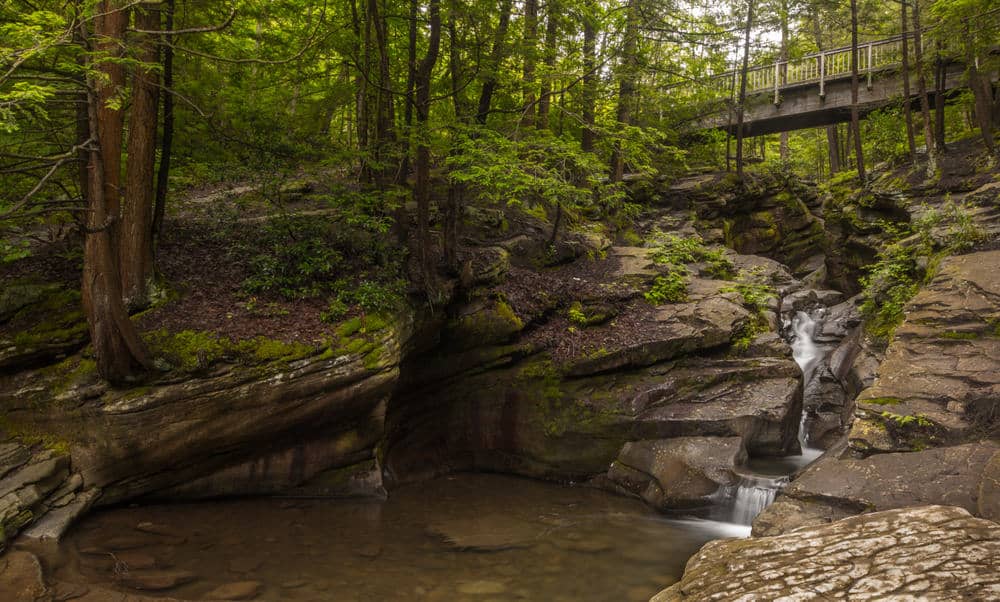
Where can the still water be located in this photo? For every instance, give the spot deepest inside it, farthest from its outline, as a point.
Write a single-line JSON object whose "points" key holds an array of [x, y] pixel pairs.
{"points": [[464, 537]]}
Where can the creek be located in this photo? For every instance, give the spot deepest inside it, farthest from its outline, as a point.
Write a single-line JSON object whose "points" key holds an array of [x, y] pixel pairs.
{"points": [[463, 537]]}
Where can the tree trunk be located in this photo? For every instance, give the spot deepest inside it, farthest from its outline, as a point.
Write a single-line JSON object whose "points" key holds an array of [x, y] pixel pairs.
{"points": [[783, 151], [385, 136], [422, 189], [118, 351], [496, 56], [529, 50], [551, 34], [362, 50], [939, 86], [135, 248], [627, 85], [743, 91], [855, 118], [925, 108], [589, 75], [981, 91], [167, 142], [833, 148], [907, 108]]}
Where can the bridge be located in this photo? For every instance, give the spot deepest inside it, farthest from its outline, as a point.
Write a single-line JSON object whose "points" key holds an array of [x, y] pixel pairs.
{"points": [[815, 90]]}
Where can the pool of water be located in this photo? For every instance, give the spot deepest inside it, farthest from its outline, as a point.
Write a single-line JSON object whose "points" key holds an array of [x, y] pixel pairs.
{"points": [[464, 537]]}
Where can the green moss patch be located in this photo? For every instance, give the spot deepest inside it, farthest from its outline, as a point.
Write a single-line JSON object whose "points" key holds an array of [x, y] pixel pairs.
{"points": [[194, 351]]}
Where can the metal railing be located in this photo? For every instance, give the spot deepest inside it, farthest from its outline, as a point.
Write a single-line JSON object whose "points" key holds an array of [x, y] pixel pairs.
{"points": [[821, 67]]}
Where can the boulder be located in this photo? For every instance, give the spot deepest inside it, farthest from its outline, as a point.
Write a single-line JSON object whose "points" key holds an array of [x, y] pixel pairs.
{"points": [[680, 472], [927, 552], [955, 476]]}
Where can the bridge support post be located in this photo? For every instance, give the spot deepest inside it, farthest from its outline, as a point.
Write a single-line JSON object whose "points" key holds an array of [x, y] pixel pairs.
{"points": [[869, 65], [777, 82], [822, 75]]}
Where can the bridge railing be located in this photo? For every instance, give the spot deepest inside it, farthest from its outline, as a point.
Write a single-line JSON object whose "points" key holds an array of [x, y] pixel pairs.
{"points": [[830, 64]]}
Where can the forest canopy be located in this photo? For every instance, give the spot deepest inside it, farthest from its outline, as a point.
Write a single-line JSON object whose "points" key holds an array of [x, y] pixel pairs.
{"points": [[109, 109]]}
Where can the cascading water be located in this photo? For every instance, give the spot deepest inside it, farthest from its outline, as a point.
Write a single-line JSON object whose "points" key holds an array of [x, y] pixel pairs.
{"points": [[753, 492]]}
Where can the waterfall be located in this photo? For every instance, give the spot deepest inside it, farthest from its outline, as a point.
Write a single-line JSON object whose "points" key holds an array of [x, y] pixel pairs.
{"points": [[806, 355], [747, 498]]}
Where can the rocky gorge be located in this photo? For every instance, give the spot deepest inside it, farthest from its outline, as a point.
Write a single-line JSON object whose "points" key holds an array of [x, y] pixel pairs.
{"points": [[654, 362]]}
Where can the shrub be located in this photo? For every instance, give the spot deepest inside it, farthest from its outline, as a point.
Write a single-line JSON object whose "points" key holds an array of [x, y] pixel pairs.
{"points": [[677, 251], [670, 288]]}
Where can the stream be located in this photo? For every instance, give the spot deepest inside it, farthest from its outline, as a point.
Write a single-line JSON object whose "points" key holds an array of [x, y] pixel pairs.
{"points": [[461, 537]]}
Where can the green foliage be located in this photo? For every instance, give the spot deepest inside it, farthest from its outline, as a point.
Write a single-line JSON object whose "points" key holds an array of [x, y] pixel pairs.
{"points": [[369, 296], [897, 275], [537, 168], [677, 252], [669, 288], [576, 315], [756, 293]]}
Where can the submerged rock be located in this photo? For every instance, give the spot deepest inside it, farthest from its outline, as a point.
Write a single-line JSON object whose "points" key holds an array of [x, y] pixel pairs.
{"points": [[928, 552]]}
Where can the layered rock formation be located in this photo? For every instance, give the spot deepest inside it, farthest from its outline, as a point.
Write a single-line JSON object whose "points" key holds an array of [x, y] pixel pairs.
{"points": [[927, 552]]}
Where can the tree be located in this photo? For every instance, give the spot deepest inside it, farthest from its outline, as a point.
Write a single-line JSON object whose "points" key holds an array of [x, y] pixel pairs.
{"points": [[119, 353], [741, 101], [855, 119]]}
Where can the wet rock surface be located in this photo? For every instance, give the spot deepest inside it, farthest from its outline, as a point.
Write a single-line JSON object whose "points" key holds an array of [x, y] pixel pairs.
{"points": [[928, 552]]}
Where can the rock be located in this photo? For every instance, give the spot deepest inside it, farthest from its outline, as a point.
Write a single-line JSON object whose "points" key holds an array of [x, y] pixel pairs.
{"points": [[485, 533], [54, 524], [239, 590], [31, 481], [928, 552], [952, 476], [481, 588], [312, 415], [677, 329], [677, 473], [21, 577], [156, 580], [940, 379]]}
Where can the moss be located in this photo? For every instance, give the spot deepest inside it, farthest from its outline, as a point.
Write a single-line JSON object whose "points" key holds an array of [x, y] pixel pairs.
{"points": [[630, 238], [349, 327], [193, 351], [959, 336], [56, 318], [29, 435], [883, 401]]}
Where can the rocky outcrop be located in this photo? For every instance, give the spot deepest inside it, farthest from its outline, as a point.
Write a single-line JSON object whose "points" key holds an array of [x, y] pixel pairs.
{"points": [[925, 431], [940, 380], [928, 552], [306, 426]]}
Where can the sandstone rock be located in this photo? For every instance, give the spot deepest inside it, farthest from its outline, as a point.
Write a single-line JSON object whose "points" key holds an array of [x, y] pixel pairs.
{"points": [[239, 590], [21, 577], [951, 476], [929, 552], [481, 588], [677, 473], [157, 580], [940, 379]]}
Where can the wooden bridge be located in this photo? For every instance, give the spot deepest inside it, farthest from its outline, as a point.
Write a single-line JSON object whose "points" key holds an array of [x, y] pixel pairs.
{"points": [[815, 90]]}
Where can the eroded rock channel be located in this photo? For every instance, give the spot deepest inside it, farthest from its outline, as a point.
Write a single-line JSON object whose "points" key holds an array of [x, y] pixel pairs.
{"points": [[750, 389]]}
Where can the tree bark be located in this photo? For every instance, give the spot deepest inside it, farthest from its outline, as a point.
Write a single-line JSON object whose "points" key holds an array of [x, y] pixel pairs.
{"points": [[118, 351], [783, 151], [833, 148], [907, 108], [135, 247], [982, 92], [589, 75], [167, 142], [496, 56], [422, 190], [627, 84], [925, 108], [939, 88], [855, 118], [741, 101], [529, 51], [551, 34]]}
